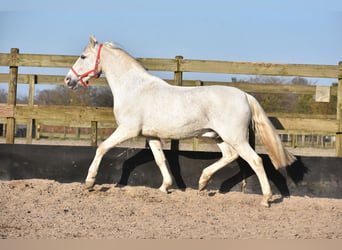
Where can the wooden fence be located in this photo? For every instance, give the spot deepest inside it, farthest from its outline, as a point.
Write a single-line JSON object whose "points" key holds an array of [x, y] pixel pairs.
{"points": [[96, 117]]}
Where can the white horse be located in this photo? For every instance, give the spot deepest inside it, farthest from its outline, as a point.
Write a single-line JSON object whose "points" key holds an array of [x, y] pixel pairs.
{"points": [[146, 105]]}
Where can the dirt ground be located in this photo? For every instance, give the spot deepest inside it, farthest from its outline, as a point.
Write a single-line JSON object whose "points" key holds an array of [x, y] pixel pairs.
{"points": [[45, 209]]}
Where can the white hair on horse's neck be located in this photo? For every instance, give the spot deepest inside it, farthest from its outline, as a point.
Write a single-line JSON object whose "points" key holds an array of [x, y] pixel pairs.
{"points": [[111, 45], [132, 59]]}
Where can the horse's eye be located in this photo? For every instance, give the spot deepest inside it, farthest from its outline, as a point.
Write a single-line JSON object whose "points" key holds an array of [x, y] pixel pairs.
{"points": [[83, 57]]}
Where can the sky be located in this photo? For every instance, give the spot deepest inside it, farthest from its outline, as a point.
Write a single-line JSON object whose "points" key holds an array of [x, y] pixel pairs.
{"points": [[292, 31]]}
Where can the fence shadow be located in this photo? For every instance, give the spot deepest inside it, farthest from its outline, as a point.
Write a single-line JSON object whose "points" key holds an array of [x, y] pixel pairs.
{"points": [[277, 177], [224, 179], [310, 176]]}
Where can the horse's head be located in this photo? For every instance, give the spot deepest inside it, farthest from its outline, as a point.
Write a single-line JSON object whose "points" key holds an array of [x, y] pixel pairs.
{"points": [[86, 67]]}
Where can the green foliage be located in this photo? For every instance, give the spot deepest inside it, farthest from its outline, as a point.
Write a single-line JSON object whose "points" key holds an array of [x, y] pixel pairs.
{"points": [[303, 104], [290, 103], [306, 104]]}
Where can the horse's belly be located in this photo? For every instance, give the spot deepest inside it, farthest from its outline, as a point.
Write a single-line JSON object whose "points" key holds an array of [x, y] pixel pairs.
{"points": [[169, 132]]}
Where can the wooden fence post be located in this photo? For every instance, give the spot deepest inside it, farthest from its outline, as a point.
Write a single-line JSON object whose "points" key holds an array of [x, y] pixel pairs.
{"points": [[339, 115], [12, 94], [31, 122], [78, 133], [178, 75], [178, 80], [94, 133]]}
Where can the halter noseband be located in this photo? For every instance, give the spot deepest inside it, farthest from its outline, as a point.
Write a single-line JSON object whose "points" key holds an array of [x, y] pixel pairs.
{"points": [[94, 70]]}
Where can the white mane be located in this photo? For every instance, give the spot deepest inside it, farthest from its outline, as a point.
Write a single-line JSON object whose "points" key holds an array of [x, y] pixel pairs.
{"points": [[113, 46]]}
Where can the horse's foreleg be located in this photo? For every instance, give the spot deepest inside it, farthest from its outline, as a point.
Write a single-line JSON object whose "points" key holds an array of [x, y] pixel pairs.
{"points": [[228, 155], [160, 159], [120, 134]]}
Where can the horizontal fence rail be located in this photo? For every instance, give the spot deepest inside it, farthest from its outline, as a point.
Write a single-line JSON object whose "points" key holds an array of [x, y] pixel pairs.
{"points": [[100, 117], [304, 70]]}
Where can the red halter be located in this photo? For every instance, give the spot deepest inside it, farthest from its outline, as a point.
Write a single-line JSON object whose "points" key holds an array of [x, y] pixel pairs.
{"points": [[96, 75]]}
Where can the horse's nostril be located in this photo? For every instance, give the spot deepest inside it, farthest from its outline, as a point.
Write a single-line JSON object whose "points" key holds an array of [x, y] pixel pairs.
{"points": [[67, 80]]}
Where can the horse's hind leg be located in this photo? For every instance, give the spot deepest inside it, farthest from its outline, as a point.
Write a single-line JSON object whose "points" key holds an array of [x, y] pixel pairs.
{"points": [[120, 134], [228, 155], [249, 155], [160, 159]]}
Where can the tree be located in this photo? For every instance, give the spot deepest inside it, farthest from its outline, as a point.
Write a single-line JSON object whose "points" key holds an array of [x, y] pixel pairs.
{"points": [[268, 80], [90, 96], [3, 96], [101, 97], [307, 105], [301, 81], [273, 102]]}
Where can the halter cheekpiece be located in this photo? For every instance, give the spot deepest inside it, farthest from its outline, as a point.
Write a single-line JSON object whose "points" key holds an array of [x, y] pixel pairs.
{"points": [[94, 70]]}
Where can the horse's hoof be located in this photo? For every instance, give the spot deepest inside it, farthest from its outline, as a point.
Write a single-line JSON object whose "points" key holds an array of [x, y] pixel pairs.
{"points": [[265, 202], [165, 186], [89, 185], [164, 190], [203, 181], [202, 185]]}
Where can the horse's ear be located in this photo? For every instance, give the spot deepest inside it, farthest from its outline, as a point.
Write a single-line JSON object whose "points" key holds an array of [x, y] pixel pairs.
{"points": [[93, 41]]}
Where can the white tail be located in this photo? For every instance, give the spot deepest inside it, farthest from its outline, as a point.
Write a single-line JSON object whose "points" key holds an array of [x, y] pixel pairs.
{"points": [[280, 157]]}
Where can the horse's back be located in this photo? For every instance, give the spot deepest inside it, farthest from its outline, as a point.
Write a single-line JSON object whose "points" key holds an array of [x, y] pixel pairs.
{"points": [[177, 112]]}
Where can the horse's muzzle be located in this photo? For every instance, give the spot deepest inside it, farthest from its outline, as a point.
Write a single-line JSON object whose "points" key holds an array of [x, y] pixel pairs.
{"points": [[70, 83]]}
